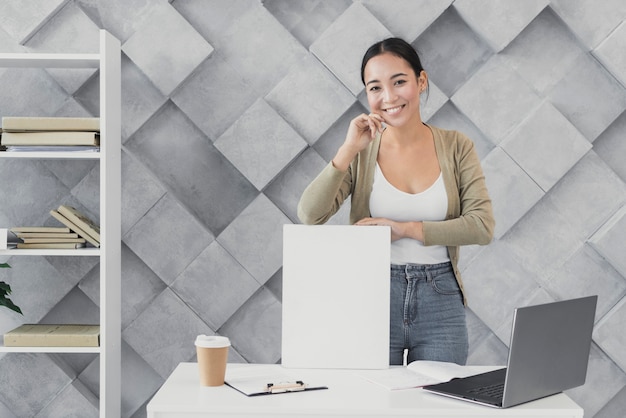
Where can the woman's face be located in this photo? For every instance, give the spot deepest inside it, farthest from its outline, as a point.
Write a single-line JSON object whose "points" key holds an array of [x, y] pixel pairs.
{"points": [[393, 89]]}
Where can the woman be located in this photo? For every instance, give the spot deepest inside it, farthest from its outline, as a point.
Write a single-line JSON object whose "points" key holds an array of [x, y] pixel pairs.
{"points": [[424, 182]]}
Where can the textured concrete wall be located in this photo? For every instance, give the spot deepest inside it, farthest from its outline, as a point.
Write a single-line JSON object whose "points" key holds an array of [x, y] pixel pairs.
{"points": [[231, 107]]}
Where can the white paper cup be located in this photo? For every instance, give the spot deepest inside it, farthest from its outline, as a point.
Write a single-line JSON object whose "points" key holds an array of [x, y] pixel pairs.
{"points": [[212, 351]]}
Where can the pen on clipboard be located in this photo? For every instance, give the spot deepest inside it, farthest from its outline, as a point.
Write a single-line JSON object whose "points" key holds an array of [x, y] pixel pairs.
{"points": [[296, 386]]}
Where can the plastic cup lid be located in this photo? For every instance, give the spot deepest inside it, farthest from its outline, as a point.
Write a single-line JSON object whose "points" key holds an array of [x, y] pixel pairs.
{"points": [[212, 341]]}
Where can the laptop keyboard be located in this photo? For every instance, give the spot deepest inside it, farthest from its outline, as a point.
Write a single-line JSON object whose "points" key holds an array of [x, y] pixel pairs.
{"points": [[494, 391]]}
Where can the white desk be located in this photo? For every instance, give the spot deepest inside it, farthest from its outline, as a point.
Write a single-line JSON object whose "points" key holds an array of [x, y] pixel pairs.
{"points": [[348, 395]]}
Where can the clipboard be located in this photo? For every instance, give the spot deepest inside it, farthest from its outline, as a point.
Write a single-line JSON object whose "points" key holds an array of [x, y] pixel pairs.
{"points": [[263, 381]]}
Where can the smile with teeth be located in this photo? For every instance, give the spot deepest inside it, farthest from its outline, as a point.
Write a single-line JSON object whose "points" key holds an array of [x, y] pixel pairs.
{"points": [[394, 110]]}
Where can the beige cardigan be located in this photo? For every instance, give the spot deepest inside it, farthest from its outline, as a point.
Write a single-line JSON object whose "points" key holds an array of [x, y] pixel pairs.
{"points": [[469, 219]]}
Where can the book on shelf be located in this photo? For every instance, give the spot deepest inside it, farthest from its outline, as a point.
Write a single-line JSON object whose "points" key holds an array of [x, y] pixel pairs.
{"points": [[50, 138], [76, 228], [81, 220], [53, 335], [51, 148], [50, 246], [46, 234], [53, 240], [40, 229], [44, 123]]}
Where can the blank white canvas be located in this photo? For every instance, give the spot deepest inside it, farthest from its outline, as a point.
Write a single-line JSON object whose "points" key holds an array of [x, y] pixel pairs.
{"points": [[336, 296]]}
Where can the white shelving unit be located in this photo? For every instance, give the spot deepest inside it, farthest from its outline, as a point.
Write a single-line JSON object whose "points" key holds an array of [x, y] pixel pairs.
{"points": [[108, 61]]}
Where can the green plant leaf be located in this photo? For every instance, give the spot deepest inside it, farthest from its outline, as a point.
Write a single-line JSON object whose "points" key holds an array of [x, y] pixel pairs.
{"points": [[5, 290]]}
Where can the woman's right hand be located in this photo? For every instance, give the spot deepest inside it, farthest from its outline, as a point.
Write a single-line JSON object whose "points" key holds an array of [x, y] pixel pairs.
{"points": [[361, 132]]}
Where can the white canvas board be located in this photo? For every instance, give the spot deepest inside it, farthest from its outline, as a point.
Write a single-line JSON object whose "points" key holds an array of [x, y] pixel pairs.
{"points": [[336, 296]]}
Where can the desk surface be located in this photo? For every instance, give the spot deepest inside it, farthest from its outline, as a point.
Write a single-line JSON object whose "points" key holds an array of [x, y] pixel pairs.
{"points": [[348, 395]]}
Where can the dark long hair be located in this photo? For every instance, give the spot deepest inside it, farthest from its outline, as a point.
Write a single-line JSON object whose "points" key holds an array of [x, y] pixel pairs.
{"points": [[395, 46]]}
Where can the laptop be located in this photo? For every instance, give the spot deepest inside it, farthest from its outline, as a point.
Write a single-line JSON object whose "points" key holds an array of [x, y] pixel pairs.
{"points": [[335, 304], [548, 354]]}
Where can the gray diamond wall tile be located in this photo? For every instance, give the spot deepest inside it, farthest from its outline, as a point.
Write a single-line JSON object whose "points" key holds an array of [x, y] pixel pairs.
{"points": [[30, 82], [22, 19], [587, 273], [139, 381], [607, 240], [546, 47], [326, 99], [609, 53], [215, 96], [255, 330], [560, 240], [407, 18], [496, 99], [27, 276], [513, 194], [73, 401], [23, 395], [286, 189], [544, 247], [188, 164], [437, 47], [140, 286], [609, 336], [225, 285], [602, 373], [497, 272], [611, 147], [140, 191], [256, 40], [604, 193], [156, 48], [255, 238], [591, 20], [342, 45], [168, 223], [589, 97], [260, 144], [178, 327], [546, 145], [306, 20], [67, 25], [40, 190], [506, 18], [140, 99]]}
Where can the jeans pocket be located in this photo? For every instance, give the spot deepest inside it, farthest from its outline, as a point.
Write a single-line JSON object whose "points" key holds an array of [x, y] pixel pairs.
{"points": [[445, 284]]}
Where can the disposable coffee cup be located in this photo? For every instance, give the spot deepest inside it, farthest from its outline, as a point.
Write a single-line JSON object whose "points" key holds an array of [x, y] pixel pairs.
{"points": [[212, 351]]}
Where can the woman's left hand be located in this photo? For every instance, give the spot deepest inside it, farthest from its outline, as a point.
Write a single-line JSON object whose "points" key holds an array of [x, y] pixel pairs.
{"points": [[398, 229]]}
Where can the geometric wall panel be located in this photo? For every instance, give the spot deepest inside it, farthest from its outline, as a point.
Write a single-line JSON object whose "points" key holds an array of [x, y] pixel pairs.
{"points": [[230, 108]]}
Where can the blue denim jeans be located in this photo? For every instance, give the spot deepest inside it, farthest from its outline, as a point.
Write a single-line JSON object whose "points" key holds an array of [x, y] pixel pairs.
{"points": [[427, 315]]}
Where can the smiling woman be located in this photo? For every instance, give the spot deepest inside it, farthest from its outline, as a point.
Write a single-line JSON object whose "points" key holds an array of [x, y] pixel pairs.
{"points": [[427, 184]]}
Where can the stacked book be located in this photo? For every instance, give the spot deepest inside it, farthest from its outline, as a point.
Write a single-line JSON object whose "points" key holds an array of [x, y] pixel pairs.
{"points": [[79, 223], [47, 237], [50, 133], [77, 232], [53, 335]]}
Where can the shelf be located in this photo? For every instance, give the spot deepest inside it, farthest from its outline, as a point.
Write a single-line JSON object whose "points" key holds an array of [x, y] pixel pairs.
{"points": [[94, 350], [51, 155], [108, 65], [23, 60], [87, 252]]}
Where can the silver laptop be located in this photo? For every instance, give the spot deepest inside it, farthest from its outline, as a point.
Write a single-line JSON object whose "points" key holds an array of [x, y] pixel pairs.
{"points": [[335, 307], [548, 354]]}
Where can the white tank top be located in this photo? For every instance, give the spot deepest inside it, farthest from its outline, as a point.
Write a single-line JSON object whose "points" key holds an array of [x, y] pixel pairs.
{"points": [[388, 202]]}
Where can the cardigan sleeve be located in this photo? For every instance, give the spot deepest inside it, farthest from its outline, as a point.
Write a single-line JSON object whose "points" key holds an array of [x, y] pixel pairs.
{"points": [[471, 221], [324, 195]]}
